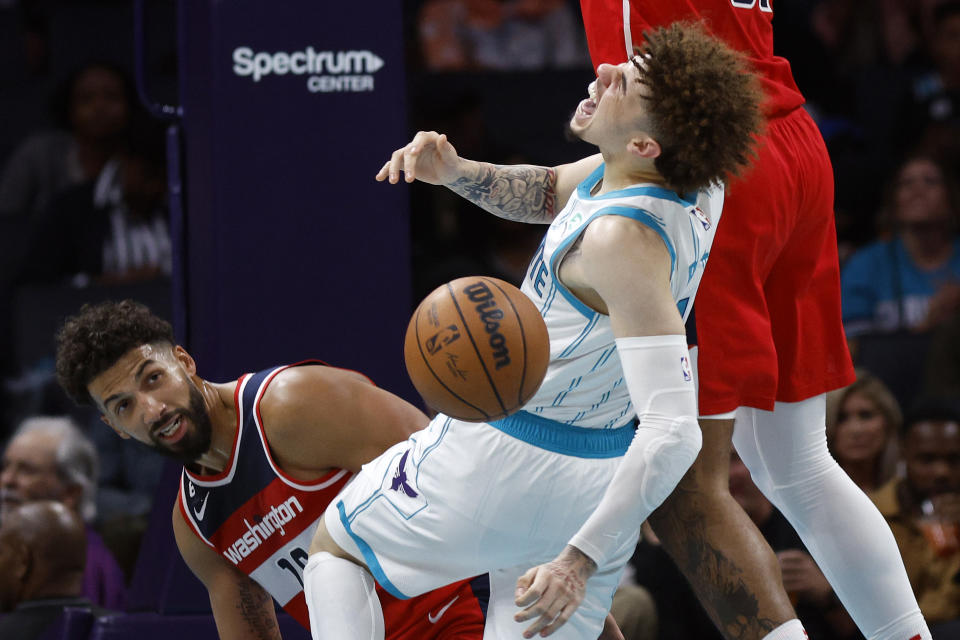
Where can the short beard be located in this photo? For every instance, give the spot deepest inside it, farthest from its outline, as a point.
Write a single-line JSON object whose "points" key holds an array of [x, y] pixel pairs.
{"points": [[193, 444]]}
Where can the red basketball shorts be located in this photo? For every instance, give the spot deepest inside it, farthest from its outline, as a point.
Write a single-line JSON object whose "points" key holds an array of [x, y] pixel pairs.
{"points": [[767, 312], [453, 612]]}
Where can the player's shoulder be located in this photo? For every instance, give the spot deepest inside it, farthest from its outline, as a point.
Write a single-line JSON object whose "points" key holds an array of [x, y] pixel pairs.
{"points": [[290, 382], [607, 234], [303, 397]]}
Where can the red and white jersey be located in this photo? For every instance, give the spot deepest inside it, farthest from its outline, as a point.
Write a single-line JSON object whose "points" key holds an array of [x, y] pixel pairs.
{"points": [[262, 520], [614, 27]]}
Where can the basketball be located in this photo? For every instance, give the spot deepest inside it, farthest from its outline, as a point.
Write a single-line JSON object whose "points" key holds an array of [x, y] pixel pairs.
{"points": [[476, 349]]}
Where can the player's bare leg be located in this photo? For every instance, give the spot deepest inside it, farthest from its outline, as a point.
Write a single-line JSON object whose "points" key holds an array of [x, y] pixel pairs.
{"points": [[718, 548], [341, 594]]}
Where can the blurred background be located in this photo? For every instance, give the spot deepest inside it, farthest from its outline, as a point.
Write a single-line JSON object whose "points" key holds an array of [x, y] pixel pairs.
{"points": [[215, 161]]}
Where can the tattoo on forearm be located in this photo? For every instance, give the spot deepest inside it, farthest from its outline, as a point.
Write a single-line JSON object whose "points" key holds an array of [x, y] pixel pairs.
{"points": [[524, 193], [256, 609]]}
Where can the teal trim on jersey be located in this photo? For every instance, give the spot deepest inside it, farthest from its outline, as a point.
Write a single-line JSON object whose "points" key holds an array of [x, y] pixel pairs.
{"points": [[583, 334], [583, 191], [566, 439], [369, 557], [640, 215]]}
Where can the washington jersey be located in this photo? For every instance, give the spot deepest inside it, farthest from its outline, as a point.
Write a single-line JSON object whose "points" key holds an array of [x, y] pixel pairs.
{"points": [[261, 520], [584, 384]]}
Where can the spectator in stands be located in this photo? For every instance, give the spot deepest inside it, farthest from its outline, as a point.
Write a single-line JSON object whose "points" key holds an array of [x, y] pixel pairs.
{"points": [[923, 508], [934, 113], [500, 34], [51, 459], [111, 230], [863, 426], [94, 109], [41, 568], [910, 281]]}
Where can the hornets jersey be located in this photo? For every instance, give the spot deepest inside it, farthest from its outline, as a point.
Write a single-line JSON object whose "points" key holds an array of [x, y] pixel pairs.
{"points": [[584, 384]]}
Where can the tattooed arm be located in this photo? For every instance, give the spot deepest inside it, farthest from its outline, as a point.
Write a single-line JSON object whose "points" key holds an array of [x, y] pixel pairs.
{"points": [[523, 193], [241, 607]]}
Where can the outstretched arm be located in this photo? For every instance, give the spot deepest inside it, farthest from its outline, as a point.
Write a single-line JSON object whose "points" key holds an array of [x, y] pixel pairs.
{"points": [[522, 193]]}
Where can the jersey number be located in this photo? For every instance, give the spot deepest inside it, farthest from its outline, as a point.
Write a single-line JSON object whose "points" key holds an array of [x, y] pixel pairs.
{"points": [[299, 557], [750, 4]]}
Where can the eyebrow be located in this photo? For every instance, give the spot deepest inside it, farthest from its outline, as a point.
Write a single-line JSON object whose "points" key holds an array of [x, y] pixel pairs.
{"points": [[136, 378], [635, 61]]}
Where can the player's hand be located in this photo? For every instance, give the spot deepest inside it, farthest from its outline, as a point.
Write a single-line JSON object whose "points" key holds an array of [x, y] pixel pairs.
{"points": [[551, 592], [429, 157], [802, 576]]}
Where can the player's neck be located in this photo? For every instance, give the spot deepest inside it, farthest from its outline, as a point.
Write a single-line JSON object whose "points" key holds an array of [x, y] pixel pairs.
{"points": [[222, 410], [620, 174]]}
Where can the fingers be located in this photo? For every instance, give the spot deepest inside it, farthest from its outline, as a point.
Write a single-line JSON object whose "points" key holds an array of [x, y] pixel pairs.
{"points": [[548, 602], [410, 161], [405, 158], [524, 595], [553, 612], [559, 621]]}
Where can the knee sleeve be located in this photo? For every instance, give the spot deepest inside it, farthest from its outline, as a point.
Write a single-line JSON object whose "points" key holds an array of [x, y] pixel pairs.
{"points": [[341, 599]]}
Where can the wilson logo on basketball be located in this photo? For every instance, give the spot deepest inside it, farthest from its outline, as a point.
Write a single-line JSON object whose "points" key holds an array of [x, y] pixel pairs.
{"points": [[490, 315]]}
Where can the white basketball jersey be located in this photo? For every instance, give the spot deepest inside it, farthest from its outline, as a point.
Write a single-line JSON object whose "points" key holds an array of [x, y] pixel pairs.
{"points": [[584, 383]]}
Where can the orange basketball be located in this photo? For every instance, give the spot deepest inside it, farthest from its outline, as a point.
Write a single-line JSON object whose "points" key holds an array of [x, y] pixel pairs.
{"points": [[477, 349]]}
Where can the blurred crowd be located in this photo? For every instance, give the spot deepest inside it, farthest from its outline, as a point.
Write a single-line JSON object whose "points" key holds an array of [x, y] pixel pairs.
{"points": [[83, 213]]}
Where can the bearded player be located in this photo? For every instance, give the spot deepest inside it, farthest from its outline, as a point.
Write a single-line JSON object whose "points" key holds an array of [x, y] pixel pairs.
{"points": [[770, 344], [263, 455]]}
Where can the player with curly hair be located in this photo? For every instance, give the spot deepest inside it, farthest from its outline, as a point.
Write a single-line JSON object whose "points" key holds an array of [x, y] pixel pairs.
{"points": [[566, 482], [768, 343]]}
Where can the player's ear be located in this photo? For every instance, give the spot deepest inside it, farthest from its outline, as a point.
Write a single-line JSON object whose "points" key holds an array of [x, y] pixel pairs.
{"points": [[120, 432], [644, 146], [185, 359]]}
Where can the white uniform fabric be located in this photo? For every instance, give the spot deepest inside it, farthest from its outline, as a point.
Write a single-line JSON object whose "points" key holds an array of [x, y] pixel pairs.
{"points": [[786, 452], [460, 499], [584, 382]]}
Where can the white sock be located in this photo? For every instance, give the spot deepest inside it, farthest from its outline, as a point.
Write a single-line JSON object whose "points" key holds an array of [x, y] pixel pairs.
{"points": [[342, 600], [908, 627], [789, 630]]}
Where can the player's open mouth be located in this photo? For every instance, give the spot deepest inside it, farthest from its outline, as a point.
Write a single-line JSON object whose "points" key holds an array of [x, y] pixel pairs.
{"points": [[588, 106], [173, 431]]}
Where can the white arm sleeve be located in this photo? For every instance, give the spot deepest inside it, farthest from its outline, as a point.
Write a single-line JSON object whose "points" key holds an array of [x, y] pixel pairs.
{"points": [[667, 441]]}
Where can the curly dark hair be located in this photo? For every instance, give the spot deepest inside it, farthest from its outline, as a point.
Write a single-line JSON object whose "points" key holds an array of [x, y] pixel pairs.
{"points": [[92, 341], [704, 105]]}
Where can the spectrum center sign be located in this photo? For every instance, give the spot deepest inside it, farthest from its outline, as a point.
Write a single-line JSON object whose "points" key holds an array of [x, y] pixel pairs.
{"points": [[326, 71]]}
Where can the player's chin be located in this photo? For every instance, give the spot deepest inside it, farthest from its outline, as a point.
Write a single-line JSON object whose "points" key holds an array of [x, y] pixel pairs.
{"points": [[573, 132]]}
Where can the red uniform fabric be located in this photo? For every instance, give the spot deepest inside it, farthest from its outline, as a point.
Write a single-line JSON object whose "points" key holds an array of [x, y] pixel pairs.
{"points": [[745, 25], [767, 313]]}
